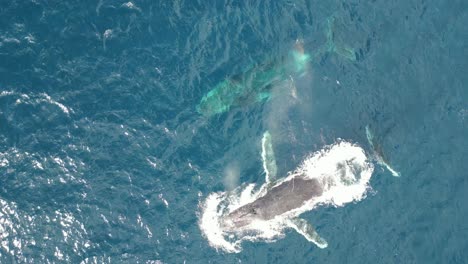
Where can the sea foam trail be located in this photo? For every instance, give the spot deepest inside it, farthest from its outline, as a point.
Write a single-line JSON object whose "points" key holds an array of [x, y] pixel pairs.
{"points": [[342, 168]]}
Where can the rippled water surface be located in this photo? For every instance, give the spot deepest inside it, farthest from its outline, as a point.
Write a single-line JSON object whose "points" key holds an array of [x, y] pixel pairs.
{"points": [[104, 158]]}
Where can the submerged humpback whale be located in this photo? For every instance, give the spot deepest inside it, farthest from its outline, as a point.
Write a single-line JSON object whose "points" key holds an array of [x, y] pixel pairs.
{"points": [[255, 84], [336, 175]]}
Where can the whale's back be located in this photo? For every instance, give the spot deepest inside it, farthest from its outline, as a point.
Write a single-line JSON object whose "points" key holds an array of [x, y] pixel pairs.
{"points": [[287, 196]]}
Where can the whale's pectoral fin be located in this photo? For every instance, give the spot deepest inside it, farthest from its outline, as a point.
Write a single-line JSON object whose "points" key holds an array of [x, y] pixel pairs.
{"points": [[370, 136], [308, 231], [378, 154], [268, 158], [392, 171]]}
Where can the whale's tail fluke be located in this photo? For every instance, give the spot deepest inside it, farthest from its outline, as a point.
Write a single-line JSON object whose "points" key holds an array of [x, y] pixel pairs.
{"points": [[332, 45]]}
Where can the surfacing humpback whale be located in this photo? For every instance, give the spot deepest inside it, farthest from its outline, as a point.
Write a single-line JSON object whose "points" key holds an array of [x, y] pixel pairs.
{"points": [[278, 198], [255, 84], [336, 175]]}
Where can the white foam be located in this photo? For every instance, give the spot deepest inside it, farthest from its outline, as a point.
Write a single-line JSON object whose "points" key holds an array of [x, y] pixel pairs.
{"points": [[5, 93], [131, 6], [30, 38], [37, 99], [3, 161], [164, 200], [107, 34], [343, 170], [51, 101], [11, 40], [152, 163], [209, 224]]}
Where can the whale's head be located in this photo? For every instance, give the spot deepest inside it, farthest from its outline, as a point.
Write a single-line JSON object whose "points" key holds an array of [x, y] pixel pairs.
{"points": [[242, 217]]}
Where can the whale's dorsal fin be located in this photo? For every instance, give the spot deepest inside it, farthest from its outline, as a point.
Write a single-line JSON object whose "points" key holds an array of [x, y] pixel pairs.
{"points": [[308, 231], [268, 158]]}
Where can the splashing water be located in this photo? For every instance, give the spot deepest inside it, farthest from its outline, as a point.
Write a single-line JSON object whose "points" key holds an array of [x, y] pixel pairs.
{"points": [[341, 168]]}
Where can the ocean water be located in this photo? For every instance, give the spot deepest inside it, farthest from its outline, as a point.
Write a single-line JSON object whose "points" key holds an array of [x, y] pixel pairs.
{"points": [[104, 158]]}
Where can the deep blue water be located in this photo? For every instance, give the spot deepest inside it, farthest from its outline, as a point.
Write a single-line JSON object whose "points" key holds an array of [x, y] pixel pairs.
{"points": [[103, 158]]}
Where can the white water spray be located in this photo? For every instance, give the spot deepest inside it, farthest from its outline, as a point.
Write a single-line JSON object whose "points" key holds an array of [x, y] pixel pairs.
{"points": [[341, 168]]}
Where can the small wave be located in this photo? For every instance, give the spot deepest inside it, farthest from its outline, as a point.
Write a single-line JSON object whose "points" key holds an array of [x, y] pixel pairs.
{"points": [[341, 168], [35, 99], [131, 6], [49, 100]]}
